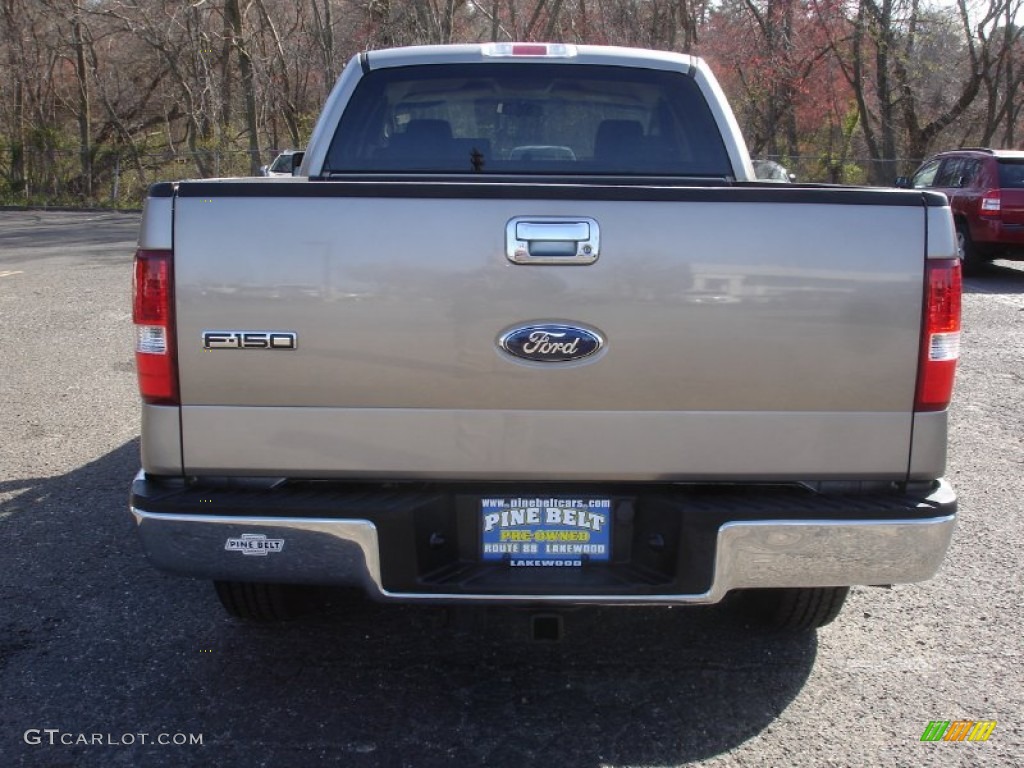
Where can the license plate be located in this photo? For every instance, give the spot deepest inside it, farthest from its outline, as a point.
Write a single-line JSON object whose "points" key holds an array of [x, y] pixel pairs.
{"points": [[545, 532]]}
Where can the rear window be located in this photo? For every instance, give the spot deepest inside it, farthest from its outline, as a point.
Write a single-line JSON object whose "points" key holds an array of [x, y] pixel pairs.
{"points": [[528, 118], [1011, 173]]}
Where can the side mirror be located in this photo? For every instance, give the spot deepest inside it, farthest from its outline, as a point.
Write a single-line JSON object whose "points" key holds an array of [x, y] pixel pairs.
{"points": [[903, 182], [264, 170], [297, 162]]}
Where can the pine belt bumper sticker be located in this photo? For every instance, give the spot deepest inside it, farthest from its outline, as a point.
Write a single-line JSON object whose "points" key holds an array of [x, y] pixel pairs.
{"points": [[254, 544]]}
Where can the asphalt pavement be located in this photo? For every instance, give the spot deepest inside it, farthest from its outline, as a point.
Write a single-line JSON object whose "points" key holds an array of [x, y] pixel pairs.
{"points": [[106, 662]]}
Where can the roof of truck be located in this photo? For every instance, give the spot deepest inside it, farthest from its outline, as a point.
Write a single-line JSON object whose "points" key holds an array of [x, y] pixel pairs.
{"points": [[525, 52]]}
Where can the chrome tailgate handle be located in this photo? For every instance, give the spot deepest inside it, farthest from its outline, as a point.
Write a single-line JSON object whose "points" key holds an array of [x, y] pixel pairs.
{"points": [[552, 240]]}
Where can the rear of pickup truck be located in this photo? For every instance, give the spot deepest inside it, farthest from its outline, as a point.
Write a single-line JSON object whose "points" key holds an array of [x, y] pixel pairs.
{"points": [[547, 374]]}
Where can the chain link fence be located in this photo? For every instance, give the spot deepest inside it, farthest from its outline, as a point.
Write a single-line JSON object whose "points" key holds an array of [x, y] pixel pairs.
{"points": [[119, 177], [828, 170]]}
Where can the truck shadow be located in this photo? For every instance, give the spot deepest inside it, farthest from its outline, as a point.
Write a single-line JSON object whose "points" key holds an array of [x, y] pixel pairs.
{"points": [[647, 686], [997, 277], [94, 640]]}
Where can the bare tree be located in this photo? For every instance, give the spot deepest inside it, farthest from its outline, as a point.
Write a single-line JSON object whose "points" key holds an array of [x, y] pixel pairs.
{"points": [[1003, 83], [84, 100], [868, 83], [240, 44], [983, 58], [13, 20], [917, 71], [175, 33], [323, 18], [673, 25], [279, 66]]}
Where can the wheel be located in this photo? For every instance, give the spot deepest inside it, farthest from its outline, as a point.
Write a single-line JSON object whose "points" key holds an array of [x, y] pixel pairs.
{"points": [[264, 602], [970, 259], [791, 610]]}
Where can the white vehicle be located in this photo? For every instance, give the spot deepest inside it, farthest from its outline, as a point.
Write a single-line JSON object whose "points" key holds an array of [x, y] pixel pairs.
{"points": [[285, 164], [769, 170]]}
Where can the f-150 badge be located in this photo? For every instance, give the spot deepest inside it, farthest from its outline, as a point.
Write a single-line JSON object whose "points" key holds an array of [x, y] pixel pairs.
{"points": [[250, 340], [551, 343]]}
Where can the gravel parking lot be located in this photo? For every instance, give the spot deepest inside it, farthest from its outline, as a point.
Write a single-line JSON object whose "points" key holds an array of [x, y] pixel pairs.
{"points": [[106, 662]]}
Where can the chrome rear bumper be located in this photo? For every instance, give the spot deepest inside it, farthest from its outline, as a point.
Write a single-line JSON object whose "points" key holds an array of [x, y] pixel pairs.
{"points": [[749, 553]]}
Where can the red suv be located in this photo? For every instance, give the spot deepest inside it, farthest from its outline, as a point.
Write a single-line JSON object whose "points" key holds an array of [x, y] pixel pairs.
{"points": [[985, 188]]}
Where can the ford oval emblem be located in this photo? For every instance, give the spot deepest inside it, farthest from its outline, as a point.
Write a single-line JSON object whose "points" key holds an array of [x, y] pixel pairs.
{"points": [[551, 343]]}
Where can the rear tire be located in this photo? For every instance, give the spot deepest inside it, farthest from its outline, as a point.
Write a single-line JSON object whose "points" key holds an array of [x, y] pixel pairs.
{"points": [[791, 610], [255, 601], [970, 259]]}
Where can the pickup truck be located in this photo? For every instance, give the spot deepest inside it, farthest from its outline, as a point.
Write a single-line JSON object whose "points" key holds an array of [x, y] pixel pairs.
{"points": [[525, 330]]}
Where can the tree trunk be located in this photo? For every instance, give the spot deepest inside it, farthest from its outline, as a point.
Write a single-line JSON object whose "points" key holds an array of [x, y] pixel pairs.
{"points": [[16, 179], [285, 96], [245, 69], [84, 106], [226, 78], [1010, 36], [324, 34], [884, 164]]}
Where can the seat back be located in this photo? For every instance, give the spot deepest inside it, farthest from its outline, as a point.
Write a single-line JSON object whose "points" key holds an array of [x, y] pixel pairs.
{"points": [[618, 140]]}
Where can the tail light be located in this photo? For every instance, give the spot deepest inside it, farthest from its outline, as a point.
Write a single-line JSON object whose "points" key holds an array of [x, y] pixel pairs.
{"points": [[991, 205], [153, 315], [940, 336]]}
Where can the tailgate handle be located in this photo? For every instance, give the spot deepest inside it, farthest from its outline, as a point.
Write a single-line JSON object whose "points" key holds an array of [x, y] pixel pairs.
{"points": [[552, 240]]}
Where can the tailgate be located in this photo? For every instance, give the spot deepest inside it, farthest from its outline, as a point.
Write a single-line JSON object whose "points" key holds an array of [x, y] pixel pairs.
{"points": [[746, 334]]}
